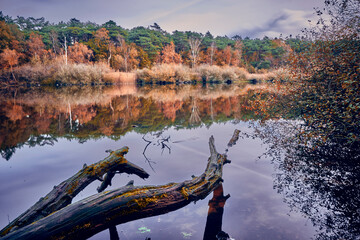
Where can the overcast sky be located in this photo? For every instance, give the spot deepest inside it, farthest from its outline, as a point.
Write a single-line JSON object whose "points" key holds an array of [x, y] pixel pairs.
{"points": [[253, 18]]}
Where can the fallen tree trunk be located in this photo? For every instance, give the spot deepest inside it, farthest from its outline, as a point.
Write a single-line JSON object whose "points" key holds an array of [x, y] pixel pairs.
{"points": [[63, 194], [98, 212]]}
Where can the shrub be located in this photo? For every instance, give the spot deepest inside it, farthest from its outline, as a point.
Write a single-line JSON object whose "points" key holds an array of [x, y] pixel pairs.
{"points": [[216, 73], [166, 73], [81, 73]]}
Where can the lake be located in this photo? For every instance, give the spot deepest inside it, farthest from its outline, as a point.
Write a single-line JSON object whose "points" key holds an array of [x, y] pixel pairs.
{"points": [[47, 135]]}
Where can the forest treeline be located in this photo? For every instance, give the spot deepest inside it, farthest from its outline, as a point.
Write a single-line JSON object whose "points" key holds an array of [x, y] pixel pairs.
{"points": [[37, 41]]}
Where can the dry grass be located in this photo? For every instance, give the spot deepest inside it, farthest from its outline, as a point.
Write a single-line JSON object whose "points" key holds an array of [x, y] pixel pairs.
{"points": [[222, 74], [35, 74], [56, 71], [166, 73], [181, 73], [277, 74], [120, 77], [81, 73]]}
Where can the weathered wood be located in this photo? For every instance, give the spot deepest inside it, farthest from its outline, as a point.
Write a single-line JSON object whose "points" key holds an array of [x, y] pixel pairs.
{"points": [[234, 138], [63, 194], [98, 212]]}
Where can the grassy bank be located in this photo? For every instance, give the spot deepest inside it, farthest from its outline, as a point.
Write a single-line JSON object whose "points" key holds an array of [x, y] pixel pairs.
{"points": [[177, 73], [54, 73]]}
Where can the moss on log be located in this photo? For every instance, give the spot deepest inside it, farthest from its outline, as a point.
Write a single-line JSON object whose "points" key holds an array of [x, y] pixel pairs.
{"points": [[96, 213], [63, 193]]}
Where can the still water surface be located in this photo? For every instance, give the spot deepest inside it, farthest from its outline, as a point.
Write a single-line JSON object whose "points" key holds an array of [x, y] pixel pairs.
{"points": [[49, 135]]}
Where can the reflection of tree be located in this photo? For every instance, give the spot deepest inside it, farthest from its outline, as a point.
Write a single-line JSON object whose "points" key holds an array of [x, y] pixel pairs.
{"points": [[320, 180], [160, 141], [195, 114], [91, 113], [33, 141], [214, 219], [7, 153], [41, 140]]}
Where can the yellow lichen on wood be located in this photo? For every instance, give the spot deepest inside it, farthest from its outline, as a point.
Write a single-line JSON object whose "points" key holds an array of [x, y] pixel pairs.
{"points": [[72, 187], [138, 191], [185, 193], [7, 231], [143, 202]]}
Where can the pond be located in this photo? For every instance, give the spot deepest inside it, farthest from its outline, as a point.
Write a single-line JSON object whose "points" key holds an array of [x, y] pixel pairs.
{"points": [[47, 135]]}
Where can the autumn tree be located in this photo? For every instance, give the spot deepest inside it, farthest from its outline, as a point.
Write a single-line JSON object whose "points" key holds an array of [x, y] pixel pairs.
{"points": [[36, 47], [125, 56], [168, 54], [227, 56], [237, 60], [80, 53], [11, 37], [10, 58], [6, 36], [143, 58], [100, 44], [326, 82]]}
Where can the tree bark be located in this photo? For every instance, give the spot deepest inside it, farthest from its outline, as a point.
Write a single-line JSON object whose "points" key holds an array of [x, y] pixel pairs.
{"points": [[91, 215], [63, 194]]}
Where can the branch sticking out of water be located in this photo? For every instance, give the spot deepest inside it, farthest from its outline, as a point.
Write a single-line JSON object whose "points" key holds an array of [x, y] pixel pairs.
{"points": [[106, 209]]}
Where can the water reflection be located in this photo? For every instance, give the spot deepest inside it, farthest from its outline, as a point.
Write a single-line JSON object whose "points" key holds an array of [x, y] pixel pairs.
{"points": [[318, 179], [41, 116], [167, 129], [215, 214]]}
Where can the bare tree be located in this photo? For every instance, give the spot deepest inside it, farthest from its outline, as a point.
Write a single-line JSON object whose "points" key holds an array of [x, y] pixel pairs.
{"points": [[128, 54], [54, 41], [194, 50], [65, 50], [212, 52]]}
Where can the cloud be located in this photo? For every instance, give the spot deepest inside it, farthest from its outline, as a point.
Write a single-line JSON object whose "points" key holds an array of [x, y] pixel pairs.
{"points": [[228, 17], [286, 23]]}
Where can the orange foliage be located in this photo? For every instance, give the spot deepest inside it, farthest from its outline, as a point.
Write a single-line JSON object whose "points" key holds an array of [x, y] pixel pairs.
{"points": [[125, 58], [169, 109], [168, 54], [9, 57], [80, 53], [36, 46], [15, 112]]}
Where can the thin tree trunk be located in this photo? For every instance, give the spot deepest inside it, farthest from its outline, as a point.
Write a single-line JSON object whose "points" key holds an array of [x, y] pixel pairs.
{"points": [[66, 51], [12, 72]]}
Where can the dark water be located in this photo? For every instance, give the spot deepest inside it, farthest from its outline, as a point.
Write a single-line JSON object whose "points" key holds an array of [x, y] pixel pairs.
{"points": [[47, 135]]}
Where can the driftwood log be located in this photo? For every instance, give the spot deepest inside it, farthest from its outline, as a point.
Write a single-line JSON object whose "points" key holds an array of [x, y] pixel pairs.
{"points": [[96, 213], [63, 194]]}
